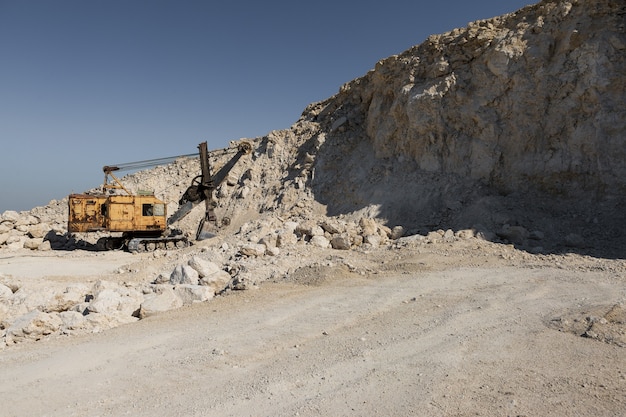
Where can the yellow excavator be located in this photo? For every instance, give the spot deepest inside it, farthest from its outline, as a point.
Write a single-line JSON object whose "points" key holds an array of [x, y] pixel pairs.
{"points": [[141, 218]]}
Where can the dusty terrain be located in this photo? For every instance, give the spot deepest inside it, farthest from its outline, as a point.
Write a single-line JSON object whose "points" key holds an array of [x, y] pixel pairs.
{"points": [[463, 328]]}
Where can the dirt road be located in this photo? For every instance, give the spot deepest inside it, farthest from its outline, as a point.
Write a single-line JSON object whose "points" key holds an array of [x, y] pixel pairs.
{"points": [[405, 340]]}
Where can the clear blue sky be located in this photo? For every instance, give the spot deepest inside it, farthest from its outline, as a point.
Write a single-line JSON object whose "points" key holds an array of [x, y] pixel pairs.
{"points": [[87, 83]]}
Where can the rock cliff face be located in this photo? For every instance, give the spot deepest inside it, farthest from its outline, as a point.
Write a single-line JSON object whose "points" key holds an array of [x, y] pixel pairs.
{"points": [[512, 123], [527, 105], [530, 99]]}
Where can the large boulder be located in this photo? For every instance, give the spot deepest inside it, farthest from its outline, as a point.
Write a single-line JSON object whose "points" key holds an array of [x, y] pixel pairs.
{"points": [[184, 274], [286, 238], [33, 243], [341, 242], [190, 294], [26, 220], [253, 249], [67, 298], [217, 281], [38, 230], [164, 300], [5, 293], [72, 321], [96, 322], [204, 267], [319, 241], [33, 326], [211, 275], [10, 216], [111, 298]]}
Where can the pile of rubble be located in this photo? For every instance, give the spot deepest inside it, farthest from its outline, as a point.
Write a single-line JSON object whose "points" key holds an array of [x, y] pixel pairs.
{"points": [[31, 312], [24, 230]]}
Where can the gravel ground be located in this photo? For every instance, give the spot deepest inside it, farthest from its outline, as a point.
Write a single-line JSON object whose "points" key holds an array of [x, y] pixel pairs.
{"points": [[470, 328]]}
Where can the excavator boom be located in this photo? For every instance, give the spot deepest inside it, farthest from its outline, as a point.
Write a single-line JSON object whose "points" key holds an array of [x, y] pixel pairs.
{"points": [[202, 188]]}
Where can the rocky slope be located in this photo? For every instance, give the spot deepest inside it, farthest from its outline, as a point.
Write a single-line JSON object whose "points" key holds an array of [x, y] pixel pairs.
{"points": [[513, 126]]}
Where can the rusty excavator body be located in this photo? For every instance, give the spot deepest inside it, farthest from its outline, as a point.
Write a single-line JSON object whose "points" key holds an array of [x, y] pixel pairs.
{"points": [[140, 220]]}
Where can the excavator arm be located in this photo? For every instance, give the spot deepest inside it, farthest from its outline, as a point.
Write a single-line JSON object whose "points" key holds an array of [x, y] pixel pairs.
{"points": [[202, 188], [207, 186]]}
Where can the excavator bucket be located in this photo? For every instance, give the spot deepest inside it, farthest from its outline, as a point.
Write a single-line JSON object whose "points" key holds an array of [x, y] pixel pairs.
{"points": [[205, 230], [202, 188], [208, 182]]}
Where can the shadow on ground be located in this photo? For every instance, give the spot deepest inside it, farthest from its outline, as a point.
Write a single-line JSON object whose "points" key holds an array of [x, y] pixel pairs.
{"points": [[349, 180], [68, 242]]}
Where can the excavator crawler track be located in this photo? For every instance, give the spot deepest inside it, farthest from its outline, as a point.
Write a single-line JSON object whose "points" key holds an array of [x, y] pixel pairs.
{"points": [[150, 244]]}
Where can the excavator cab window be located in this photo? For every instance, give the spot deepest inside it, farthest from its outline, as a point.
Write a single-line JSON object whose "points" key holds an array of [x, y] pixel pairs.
{"points": [[147, 210], [159, 209], [153, 210]]}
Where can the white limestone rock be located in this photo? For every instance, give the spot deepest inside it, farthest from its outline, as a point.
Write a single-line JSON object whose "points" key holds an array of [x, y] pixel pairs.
{"points": [[372, 240], [217, 281], [45, 246], [319, 241], [72, 320], [5, 293], [32, 243], [111, 298], [11, 216], [204, 267], [32, 326], [286, 238], [190, 294], [38, 230], [26, 220], [253, 249], [341, 242], [184, 274], [97, 322], [166, 299]]}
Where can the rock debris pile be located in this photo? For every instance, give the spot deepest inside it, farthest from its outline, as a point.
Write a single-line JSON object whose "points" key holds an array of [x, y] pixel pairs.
{"points": [[511, 130]]}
